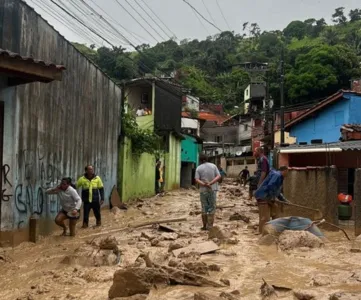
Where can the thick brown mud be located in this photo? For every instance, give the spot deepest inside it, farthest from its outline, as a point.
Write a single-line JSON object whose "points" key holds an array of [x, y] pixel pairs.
{"points": [[83, 267]]}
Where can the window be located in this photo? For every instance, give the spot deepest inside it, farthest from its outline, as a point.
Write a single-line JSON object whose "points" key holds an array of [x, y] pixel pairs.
{"points": [[219, 139], [246, 127]]}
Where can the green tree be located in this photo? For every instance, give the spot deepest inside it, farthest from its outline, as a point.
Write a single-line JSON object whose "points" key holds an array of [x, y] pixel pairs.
{"points": [[339, 17], [296, 29], [355, 15]]}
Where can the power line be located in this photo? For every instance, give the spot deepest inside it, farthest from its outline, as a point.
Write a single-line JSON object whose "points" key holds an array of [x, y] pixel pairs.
{"points": [[200, 21], [195, 10], [145, 20], [156, 23], [165, 25], [122, 6], [133, 34], [224, 18], [209, 13]]}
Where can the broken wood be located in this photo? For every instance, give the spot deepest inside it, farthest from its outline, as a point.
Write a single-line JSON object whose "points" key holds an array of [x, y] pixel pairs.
{"points": [[158, 222], [319, 213], [202, 248], [225, 206], [267, 290], [166, 228]]}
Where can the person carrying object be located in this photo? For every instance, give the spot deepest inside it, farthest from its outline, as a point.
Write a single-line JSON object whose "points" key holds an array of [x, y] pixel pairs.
{"points": [[270, 189]]}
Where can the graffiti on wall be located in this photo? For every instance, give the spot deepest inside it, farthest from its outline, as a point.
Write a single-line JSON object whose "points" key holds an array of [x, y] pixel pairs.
{"points": [[24, 185]]}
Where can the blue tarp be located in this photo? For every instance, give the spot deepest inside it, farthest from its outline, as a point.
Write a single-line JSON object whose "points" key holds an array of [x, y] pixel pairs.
{"points": [[295, 223]]}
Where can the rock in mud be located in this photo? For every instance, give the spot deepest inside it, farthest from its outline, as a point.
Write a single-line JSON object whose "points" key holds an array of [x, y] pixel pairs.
{"points": [[304, 295], [239, 217], [174, 263], [132, 281], [169, 236], [4, 258], [115, 210], [289, 240], [197, 267], [148, 236], [217, 233], [135, 281], [225, 281], [345, 296], [176, 245], [135, 297], [228, 296], [101, 252], [321, 280], [206, 296], [214, 268]]}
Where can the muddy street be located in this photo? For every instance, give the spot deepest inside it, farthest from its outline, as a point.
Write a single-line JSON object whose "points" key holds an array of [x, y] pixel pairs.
{"points": [[233, 264]]}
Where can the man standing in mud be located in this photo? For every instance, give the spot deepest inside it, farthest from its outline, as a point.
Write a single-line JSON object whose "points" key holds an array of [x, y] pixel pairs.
{"points": [[262, 165], [207, 176], [92, 194], [270, 189]]}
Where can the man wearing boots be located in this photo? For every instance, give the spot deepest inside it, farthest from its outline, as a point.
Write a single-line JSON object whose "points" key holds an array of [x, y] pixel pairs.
{"points": [[270, 189], [92, 194], [207, 176]]}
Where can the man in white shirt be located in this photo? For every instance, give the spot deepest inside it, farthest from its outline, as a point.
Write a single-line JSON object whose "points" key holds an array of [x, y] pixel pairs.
{"points": [[207, 176], [140, 112], [70, 202]]}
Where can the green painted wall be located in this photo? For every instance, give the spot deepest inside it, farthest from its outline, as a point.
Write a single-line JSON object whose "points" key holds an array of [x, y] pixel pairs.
{"points": [[173, 164], [189, 150], [137, 174], [146, 122]]}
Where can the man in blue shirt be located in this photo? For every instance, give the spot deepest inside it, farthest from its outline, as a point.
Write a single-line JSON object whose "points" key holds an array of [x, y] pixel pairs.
{"points": [[270, 189]]}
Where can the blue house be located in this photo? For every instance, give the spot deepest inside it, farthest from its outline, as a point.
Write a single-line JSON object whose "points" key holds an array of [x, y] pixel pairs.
{"points": [[191, 146], [324, 120]]}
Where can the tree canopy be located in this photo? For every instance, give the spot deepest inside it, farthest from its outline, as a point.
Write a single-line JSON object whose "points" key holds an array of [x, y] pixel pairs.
{"points": [[320, 59]]}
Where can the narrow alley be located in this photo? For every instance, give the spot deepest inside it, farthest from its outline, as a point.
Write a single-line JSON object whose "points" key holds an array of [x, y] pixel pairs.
{"points": [[81, 268]]}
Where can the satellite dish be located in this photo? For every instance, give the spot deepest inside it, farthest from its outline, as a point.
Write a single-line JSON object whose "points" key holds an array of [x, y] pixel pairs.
{"points": [[239, 153]]}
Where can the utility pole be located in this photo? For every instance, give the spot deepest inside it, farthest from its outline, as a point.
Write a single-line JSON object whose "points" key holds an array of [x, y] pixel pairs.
{"points": [[282, 108]]}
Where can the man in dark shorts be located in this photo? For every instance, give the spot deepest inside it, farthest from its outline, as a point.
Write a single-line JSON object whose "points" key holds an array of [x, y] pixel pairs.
{"points": [[244, 174], [70, 203]]}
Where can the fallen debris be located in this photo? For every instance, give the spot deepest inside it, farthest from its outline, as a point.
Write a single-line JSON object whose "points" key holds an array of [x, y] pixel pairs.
{"points": [[304, 295], [321, 280], [132, 281], [217, 233], [239, 217], [267, 290], [206, 296], [202, 248], [290, 239], [158, 222], [166, 228], [345, 296]]}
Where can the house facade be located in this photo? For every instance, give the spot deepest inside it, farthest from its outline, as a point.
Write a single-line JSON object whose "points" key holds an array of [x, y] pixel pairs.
{"points": [[59, 113], [157, 97]]}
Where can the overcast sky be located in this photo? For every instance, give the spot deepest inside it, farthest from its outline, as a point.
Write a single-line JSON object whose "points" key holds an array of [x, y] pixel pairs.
{"points": [[181, 19]]}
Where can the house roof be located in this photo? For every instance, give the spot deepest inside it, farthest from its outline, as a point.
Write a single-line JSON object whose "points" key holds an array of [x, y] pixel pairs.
{"points": [[16, 56], [351, 127], [212, 117], [333, 98], [330, 147]]}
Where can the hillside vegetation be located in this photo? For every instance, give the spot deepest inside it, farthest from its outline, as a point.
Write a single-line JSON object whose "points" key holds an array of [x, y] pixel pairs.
{"points": [[320, 59]]}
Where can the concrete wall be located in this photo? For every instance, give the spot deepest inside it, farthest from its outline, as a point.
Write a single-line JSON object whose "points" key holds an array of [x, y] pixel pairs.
{"points": [[228, 134], [357, 202], [325, 125], [134, 97], [244, 132], [236, 165], [315, 188], [136, 174], [173, 164], [52, 130]]}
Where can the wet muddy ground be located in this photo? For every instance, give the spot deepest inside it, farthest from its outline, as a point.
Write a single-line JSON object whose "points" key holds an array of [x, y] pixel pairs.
{"points": [[83, 267]]}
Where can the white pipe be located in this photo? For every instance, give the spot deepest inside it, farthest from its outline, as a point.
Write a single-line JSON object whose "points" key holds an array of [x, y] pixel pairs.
{"points": [[310, 150]]}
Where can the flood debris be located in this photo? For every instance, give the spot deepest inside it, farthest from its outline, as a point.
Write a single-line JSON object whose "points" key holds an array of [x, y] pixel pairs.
{"points": [[321, 280], [98, 252], [166, 228], [217, 233], [239, 217], [132, 281], [304, 295], [201, 248], [290, 239], [267, 290], [206, 296]]}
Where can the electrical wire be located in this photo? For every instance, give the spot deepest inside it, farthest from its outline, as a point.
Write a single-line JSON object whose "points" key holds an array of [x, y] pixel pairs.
{"points": [[200, 21], [205, 19], [133, 34], [209, 13], [160, 20], [145, 20], [122, 6], [156, 23], [224, 18]]}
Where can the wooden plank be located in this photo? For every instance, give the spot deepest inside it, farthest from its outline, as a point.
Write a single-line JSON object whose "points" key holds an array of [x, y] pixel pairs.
{"points": [[202, 248]]}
